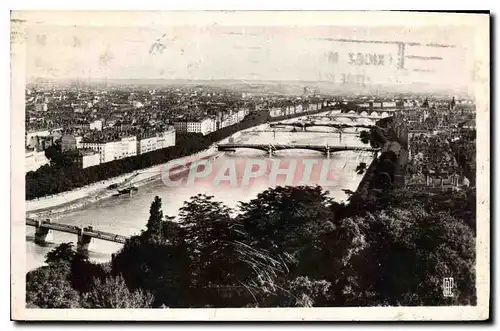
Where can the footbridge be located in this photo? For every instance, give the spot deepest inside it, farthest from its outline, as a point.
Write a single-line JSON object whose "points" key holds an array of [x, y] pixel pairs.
{"points": [[272, 148], [84, 234]]}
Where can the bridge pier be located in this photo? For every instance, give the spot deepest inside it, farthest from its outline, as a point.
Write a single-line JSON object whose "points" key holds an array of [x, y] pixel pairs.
{"points": [[270, 151], [83, 244], [41, 233]]}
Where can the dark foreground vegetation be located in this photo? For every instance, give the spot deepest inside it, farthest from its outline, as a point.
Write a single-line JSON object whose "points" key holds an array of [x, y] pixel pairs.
{"points": [[290, 246]]}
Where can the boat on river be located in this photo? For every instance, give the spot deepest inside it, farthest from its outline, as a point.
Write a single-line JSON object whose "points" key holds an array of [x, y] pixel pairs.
{"points": [[128, 190]]}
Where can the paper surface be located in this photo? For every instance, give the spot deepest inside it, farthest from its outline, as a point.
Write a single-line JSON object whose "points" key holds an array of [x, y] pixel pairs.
{"points": [[266, 61]]}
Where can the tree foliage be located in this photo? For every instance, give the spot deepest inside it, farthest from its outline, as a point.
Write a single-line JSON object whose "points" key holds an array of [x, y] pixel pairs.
{"points": [[155, 221], [113, 293], [408, 253], [48, 287]]}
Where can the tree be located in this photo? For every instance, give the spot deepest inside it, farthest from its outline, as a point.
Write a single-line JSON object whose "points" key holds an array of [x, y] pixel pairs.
{"points": [[82, 271], [303, 292], [287, 219], [154, 225], [210, 233], [48, 287], [365, 136], [64, 253], [113, 293], [407, 254], [157, 266], [302, 228]]}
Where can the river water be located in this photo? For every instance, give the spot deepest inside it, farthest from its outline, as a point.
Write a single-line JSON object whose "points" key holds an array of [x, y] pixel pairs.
{"points": [[127, 215]]}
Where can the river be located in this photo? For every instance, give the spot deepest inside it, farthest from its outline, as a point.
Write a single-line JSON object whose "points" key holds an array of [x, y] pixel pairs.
{"points": [[127, 215]]}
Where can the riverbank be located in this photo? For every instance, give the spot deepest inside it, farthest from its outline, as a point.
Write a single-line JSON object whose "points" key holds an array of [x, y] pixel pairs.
{"points": [[146, 177], [126, 215], [71, 200]]}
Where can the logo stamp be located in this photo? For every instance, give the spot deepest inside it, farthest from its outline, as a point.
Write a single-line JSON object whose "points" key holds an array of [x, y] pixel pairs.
{"points": [[448, 287]]}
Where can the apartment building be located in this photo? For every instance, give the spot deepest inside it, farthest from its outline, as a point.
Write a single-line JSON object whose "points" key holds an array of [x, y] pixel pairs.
{"points": [[151, 142], [106, 150], [34, 159], [166, 138], [96, 125], [147, 144], [203, 125], [275, 112], [85, 158], [41, 107], [113, 150], [429, 183], [126, 147]]}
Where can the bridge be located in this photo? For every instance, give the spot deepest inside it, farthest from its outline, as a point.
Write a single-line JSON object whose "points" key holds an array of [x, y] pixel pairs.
{"points": [[304, 125], [272, 148], [371, 111], [256, 132], [84, 234], [332, 117]]}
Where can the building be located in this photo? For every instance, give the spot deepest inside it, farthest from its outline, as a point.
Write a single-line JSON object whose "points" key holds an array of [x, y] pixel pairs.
{"points": [[33, 137], [147, 144], [471, 124], [106, 150], [275, 112], [68, 143], [429, 183], [85, 158], [41, 106], [82, 126], [110, 150], [126, 147], [34, 159], [166, 138], [150, 142], [203, 126], [79, 140], [96, 125], [137, 104]]}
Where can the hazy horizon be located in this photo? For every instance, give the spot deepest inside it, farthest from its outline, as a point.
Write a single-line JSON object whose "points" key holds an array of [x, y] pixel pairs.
{"points": [[430, 58]]}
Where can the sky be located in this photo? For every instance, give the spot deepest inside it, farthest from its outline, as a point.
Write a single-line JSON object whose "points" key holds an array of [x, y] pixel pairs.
{"points": [[434, 55]]}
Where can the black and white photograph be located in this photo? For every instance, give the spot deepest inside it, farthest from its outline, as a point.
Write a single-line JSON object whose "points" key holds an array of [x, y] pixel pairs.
{"points": [[276, 162]]}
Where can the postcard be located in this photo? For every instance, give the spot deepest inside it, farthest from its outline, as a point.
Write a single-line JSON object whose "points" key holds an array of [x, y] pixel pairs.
{"points": [[250, 166]]}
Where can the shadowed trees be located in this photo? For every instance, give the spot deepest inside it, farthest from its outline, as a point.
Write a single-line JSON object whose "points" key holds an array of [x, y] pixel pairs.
{"points": [[48, 287], [407, 254], [113, 293], [289, 246]]}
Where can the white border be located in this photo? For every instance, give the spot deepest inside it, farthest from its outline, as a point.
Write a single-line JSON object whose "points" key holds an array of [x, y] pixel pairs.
{"points": [[265, 18]]}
